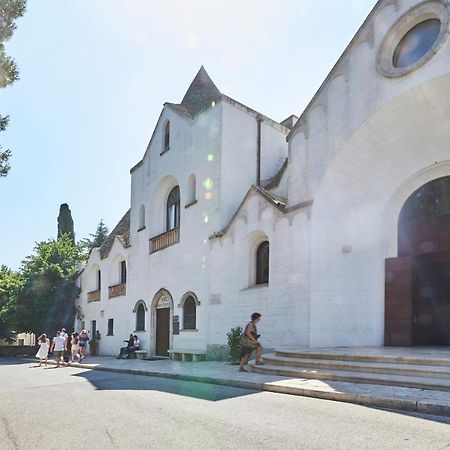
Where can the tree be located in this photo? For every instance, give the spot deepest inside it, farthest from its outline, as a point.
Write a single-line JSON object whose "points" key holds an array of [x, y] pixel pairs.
{"points": [[10, 10], [96, 239], [10, 285], [46, 302], [65, 222]]}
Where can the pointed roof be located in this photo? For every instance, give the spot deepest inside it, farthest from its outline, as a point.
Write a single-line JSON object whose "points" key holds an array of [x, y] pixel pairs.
{"points": [[201, 93], [122, 231]]}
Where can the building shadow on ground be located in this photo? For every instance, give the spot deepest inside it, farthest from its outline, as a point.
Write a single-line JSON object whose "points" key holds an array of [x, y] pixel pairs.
{"points": [[115, 381]]}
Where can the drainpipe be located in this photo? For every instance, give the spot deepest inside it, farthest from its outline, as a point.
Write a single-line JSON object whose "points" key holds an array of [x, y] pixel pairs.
{"points": [[259, 121]]}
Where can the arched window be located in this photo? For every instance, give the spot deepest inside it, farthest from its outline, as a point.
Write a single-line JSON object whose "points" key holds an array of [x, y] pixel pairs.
{"points": [[140, 318], [189, 314], [173, 209], [142, 217], [166, 136], [262, 263]]}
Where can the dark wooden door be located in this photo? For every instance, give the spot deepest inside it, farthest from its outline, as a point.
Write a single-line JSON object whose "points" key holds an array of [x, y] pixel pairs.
{"points": [[162, 331], [398, 302]]}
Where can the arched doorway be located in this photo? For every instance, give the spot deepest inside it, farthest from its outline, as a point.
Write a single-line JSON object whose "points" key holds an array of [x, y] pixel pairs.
{"points": [[418, 280], [162, 311]]}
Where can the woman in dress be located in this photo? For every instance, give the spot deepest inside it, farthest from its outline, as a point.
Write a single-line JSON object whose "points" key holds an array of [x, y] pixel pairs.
{"points": [[75, 351], [44, 346], [250, 342]]}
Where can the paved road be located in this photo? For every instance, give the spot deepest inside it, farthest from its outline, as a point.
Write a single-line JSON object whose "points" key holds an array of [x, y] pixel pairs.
{"points": [[69, 408]]}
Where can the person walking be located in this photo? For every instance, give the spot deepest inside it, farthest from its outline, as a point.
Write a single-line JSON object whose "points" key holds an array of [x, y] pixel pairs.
{"points": [[250, 342], [83, 340], [58, 347], [44, 347], [75, 351]]}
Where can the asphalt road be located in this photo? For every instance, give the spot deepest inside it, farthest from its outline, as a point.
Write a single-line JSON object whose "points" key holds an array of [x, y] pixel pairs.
{"points": [[69, 408]]}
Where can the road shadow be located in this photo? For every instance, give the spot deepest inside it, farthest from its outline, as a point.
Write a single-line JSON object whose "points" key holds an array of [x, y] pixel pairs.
{"points": [[114, 381]]}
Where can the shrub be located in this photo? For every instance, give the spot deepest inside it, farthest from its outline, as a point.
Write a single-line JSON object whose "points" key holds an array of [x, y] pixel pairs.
{"points": [[234, 343]]}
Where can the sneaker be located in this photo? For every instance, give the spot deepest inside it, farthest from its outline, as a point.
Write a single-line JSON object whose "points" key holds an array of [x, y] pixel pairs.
{"points": [[242, 369]]}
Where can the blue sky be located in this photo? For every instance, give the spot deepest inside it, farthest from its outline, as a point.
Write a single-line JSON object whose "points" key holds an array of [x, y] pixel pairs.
{"points": [[95, 75]]}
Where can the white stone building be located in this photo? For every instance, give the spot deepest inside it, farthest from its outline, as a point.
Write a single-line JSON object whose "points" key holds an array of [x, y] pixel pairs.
{"points": [[345, 197]]}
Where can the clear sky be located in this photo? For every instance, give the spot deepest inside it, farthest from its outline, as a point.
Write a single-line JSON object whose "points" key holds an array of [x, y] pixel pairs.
{"points": [[95, 74]]}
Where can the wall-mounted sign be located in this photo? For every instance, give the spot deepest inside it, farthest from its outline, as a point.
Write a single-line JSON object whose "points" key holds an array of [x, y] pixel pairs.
{"points": [[163, 302]]}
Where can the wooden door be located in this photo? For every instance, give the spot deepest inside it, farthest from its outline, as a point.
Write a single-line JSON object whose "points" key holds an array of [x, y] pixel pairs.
{"points": [[398, 316], [162, 331]]}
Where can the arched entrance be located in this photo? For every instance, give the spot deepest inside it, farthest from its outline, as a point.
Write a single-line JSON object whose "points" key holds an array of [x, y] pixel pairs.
{"points": [[162, 312], [418, 280]]}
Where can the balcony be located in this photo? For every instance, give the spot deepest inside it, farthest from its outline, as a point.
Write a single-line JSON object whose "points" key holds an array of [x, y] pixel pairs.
{"points": [[117, 290], [93, 296], [164, 240]]}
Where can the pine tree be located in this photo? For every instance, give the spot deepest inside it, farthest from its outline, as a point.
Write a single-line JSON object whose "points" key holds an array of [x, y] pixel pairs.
{"points": [[96, 239], [10, 10], [65, 223]]}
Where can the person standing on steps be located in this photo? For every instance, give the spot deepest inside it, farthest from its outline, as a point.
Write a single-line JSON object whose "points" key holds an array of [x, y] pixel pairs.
{"points": [[250, 342]]}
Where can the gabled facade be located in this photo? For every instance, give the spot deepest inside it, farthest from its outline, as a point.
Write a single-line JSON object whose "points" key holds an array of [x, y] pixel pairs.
{"points": [[322, 224]]}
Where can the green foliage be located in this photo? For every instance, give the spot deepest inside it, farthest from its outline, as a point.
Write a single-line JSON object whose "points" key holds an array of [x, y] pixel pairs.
{"points": [[96, 239], [10, 10], [10, 285], [95, 339], [65, 222], [47, 300], [234, 338]]}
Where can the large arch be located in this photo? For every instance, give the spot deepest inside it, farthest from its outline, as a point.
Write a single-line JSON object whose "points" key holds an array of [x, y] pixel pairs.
{"points": [[162, 300], [357, 202]]}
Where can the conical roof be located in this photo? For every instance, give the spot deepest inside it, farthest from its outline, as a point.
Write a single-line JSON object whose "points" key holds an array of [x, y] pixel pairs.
{"points": [[201, 93]]}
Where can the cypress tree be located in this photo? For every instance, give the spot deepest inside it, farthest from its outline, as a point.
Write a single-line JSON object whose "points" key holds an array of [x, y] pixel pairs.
{"points": [[65, 222]]}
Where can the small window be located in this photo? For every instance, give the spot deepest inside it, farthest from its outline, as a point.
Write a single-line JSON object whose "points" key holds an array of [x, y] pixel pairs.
{"points": [[110, 327], [99, 280], [189, 314], [123, 272], [166, 137], [192, 190], [93, 328], [173, 209], [262, 263], [416, 43], [141, 217], [140, 318]]}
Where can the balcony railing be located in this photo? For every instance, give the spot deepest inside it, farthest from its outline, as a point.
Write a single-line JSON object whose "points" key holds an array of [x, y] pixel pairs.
{"points": [[93, 296], [117, 290], [164, 240]]}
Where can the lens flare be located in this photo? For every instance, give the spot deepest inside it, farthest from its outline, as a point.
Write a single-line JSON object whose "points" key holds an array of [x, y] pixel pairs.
{"points": [[210, 157], [208, 184], [208, 195]]}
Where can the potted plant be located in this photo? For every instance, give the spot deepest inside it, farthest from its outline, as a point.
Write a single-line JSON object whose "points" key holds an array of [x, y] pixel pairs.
{"points": [[234, 343], [94, 343]]}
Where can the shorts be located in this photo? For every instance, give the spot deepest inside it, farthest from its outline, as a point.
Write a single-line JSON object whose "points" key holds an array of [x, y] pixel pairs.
{"points": [[58, 353]]}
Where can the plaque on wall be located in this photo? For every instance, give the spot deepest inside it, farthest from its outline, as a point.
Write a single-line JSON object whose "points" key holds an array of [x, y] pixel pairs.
{"points": [[175, 325]]}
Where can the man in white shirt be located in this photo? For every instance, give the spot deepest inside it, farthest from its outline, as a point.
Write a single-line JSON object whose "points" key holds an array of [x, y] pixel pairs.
{"points": [[58, 347]]}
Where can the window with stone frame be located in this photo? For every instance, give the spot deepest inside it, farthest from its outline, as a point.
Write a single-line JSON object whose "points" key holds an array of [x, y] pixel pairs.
{"points": [[140, 318], [189, 314]]}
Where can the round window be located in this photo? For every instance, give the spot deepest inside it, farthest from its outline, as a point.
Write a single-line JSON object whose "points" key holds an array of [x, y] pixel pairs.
{"points": [[416, 43]]}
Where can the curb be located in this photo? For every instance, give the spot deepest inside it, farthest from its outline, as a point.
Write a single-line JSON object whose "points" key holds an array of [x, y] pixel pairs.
{"points": [[421, 406]]}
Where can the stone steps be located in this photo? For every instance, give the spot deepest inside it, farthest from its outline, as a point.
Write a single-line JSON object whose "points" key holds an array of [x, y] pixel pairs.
{"points": [[386, 368], [369, 355], [428, 383]]}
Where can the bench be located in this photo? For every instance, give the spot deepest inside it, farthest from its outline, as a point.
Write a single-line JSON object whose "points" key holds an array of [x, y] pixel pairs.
{"points": [[187, 355], [140, 354]]}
